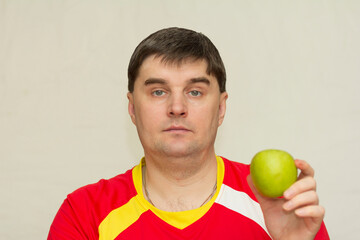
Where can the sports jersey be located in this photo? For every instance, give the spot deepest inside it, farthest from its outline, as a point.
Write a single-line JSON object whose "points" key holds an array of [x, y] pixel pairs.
{"points": [[116, 209]]}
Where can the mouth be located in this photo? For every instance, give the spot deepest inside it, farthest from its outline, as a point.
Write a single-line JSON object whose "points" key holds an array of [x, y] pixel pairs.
{"points": [[177, 129]]}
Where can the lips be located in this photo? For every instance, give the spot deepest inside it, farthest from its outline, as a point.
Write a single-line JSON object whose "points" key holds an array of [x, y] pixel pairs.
{"points": [[177, 129]]}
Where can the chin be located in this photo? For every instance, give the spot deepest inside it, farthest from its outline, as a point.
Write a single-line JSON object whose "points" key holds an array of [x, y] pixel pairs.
{"points": [[180, 151]]}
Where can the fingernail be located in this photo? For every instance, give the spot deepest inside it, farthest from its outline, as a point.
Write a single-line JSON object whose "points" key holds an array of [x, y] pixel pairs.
{"points": [[288, 193], [300, 212], [288, 205]]}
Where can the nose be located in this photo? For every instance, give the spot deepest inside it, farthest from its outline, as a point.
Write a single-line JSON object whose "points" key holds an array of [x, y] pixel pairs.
{"points": [[177, 106]]}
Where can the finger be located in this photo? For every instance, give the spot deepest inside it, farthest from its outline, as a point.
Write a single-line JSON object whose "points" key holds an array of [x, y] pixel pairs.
{"points": [[300, 200], [300, 186], [314, 211], [312, 215], [306, 169]]}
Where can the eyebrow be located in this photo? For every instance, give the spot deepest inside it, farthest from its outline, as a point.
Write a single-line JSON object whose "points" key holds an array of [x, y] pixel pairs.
{"points": [[154, 81], [163, 81], [200, 80]]}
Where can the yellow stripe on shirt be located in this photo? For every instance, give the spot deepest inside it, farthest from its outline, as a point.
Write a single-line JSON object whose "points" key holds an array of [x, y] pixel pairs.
{"points": [[120, 219]]}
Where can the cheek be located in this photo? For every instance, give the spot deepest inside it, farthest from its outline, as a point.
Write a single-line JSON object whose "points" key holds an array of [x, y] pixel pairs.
{"points": [[208, 117], [147, 116]]}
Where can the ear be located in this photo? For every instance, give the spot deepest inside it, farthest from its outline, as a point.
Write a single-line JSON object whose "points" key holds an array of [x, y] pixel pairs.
{"points": [[222, 107], [131, 107]]}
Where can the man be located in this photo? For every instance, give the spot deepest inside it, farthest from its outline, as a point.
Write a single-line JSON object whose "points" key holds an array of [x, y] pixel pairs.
{"points": [[181, 189]]}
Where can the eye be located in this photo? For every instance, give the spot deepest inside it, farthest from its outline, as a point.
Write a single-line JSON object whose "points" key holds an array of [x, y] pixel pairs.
{"points": [[158, 93], [195, 93]]}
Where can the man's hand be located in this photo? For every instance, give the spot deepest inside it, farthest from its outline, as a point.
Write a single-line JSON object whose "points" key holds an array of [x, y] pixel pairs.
{"points": [[298, 215]]}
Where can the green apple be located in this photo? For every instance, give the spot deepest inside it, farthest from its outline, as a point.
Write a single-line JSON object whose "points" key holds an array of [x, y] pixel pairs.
{"points": [[273, 171]]}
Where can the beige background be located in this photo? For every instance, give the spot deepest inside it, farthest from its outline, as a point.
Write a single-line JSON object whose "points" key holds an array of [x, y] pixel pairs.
{"points": [[293, 79]]}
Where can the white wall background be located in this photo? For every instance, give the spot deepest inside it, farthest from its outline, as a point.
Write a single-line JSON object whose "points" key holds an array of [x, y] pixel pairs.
{"points": [[293, 79]]}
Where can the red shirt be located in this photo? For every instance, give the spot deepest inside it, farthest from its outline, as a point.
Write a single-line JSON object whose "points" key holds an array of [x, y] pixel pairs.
{"points": [[117, 209]]}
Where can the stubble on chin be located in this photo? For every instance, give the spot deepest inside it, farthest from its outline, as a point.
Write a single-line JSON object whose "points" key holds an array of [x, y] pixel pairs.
{"points": [[177, 150], [178, 160]]}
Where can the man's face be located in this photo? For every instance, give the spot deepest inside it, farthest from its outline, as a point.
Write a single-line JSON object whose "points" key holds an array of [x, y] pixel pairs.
{"points": [[176, 108]]}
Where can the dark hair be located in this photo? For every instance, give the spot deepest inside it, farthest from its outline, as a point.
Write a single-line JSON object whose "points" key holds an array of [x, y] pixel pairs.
{"points": [[175, 45]]}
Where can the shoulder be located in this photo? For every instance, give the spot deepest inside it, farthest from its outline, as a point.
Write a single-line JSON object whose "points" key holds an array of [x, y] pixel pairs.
{"points": [[237, 166], [95, 201], [104, 190], [235, 169], [235, 176], [82, 211]]}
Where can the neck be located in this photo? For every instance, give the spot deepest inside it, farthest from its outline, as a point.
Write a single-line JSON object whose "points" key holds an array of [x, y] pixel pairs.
{"points": [[180, 184]]}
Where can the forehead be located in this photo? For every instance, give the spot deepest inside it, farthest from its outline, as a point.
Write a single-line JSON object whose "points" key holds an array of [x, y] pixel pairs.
{"points": [[158, 67]]}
